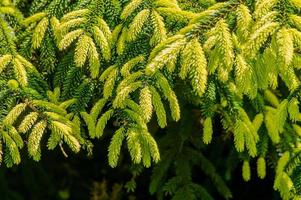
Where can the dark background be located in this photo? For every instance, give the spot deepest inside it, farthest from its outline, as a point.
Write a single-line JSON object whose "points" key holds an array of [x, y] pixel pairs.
{"points": [[77, 178]]}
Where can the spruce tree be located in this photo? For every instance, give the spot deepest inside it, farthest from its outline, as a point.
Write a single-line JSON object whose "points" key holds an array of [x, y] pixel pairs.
{"points": [[172, 77]]}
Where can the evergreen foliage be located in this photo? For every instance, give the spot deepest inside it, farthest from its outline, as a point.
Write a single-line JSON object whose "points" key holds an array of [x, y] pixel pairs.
{"points": [[70, 69]]}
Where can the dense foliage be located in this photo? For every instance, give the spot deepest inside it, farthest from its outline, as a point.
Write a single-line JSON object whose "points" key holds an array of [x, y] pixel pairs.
{"points": [[185, 87]]}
